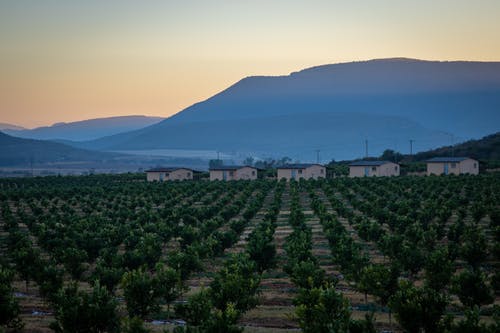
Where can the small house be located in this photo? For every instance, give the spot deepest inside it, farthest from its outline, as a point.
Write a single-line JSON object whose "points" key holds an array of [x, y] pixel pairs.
{"points": [[452, 166], [373, 169], [164, 174], [298, 171], [233, 172]]}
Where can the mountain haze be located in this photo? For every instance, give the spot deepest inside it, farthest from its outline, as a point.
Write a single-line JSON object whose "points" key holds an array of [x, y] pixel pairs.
{"points": [[335, 108], [86, 129], [5, 126], [24, 152]]}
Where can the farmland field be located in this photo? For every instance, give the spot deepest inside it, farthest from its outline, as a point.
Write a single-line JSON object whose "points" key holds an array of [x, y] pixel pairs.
{"points": [[402, 254]]}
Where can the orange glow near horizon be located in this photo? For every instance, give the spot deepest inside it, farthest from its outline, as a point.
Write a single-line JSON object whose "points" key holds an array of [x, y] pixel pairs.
{"points": [[69, 61]]}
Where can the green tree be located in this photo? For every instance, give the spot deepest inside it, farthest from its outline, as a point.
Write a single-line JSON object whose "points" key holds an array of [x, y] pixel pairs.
{"points": [[79, 312], [139, 293], [322, 310], [260, 246], [133, 325], [471, 288], [475, 247], [236, 283], [108, 276], [9, 308], [167, 284], [197, 310], [307, 274], [418, 309], [73, 260], [472, 324], [438, 269]]}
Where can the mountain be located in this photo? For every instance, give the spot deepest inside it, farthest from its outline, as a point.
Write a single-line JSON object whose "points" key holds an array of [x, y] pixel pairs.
{"points": [[486, 148], [86, 129], [5, 126], [24, 152], [335, 108]]}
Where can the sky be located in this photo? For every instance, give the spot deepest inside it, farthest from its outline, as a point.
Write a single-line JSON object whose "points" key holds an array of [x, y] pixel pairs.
{"points": [[74, 60]]}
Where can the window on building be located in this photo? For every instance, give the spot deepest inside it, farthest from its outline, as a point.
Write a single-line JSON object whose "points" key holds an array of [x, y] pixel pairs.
{"points": [[396, 168], [253, 173], [321, 171], [189, 174], [475, 165], [453, 165], [231, 173], [300, 172], [374, 168]]}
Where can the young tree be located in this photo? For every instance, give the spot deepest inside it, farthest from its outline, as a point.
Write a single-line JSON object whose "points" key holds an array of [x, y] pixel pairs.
{"points": [[471, 288], [438, 269], [197, 310], [235, 283], [167, 284], [418, 309], [475, 247], [79, 312], [139, 292], [9, 308], [322, 310]]}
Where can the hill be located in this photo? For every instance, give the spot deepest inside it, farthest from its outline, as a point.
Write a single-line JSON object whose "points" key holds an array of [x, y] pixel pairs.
{"points": [[86, 129], [335, 108], [5, 126], [24, 152], [486, 148]]}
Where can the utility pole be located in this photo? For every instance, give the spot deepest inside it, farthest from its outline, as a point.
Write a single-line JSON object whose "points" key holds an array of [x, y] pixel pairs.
{"points": [[317, 155], [452, 145], [31, 166], [366, 148], [411, 147]]}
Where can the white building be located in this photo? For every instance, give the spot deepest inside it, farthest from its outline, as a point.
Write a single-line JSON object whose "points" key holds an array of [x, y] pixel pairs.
{"points": [[298, 171], [233, 172], [452, 166], [373, 169], [164, 174]]}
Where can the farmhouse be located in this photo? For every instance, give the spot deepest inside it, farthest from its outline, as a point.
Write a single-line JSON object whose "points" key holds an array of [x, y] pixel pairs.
{"points": [[297, 171], [164, 174], [452, 166], [233, 172], [373, 168]]}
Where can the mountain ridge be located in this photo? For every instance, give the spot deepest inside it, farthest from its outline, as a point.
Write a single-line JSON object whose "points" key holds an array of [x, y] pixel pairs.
{"points": [[441, 101], [87, 129], [16, 151]]}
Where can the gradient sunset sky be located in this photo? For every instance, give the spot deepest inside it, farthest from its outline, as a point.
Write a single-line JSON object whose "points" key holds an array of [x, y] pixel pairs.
{"points": [[74, 60]]}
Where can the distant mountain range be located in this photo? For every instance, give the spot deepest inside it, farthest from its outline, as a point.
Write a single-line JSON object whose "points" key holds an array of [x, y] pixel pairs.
{"points": [[4, 126], [83, 130], [334, 108], [25, 152]]}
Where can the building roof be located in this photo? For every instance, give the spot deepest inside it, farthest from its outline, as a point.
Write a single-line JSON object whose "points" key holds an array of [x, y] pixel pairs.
{"points": [[170, 169], [447, 159], [369, 163], [230, 167], [298, 166]]}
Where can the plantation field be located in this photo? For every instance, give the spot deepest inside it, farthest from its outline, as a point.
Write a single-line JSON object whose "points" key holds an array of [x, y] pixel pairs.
{"points": [[117, 254]]}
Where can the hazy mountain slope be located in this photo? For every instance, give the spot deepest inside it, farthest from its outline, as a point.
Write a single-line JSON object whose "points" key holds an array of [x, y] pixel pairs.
{"points": [[296, 136], [270, 113], [487, 148], [5, 126], [22, 152], [87, 129], [453, 96]]}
